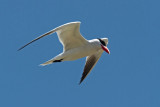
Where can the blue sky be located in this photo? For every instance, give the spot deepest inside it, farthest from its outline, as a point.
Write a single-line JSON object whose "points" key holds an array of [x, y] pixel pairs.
{"points": [[128, 77]]}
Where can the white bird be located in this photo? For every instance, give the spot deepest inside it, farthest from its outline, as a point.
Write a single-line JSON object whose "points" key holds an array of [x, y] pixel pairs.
{"points": [[75, 46]]}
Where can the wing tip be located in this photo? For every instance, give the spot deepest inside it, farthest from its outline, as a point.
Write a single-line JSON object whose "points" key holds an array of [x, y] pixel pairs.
{"points": [[20, 48], [80, 82], [82, 78]]}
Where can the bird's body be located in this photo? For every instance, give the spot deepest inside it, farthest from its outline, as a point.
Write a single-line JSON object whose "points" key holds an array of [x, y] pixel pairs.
{"points": [[75, 46], [79, 52]]}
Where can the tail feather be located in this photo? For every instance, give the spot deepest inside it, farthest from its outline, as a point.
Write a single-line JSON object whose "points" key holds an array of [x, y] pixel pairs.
{"points": [[51, 61], [47, 63]]}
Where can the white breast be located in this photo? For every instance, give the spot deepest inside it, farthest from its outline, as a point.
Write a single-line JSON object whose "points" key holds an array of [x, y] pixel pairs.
{"points": [[83, 51]]}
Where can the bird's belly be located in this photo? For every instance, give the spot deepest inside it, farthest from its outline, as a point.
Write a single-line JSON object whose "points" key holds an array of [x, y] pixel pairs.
{"points": [[80, 52]]}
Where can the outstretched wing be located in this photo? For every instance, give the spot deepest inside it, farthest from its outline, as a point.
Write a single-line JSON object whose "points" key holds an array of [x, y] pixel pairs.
{"points": [[90, 63], [68, 35]]}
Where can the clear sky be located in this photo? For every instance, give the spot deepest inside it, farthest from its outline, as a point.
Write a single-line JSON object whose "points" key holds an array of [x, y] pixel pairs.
{"points": [[128, 77]]}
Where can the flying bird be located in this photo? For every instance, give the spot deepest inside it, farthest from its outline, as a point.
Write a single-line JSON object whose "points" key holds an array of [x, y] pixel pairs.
{"points": [[75, 46]]}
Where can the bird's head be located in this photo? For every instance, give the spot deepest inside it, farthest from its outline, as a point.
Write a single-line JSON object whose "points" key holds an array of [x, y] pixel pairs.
{"points": [[104, 42]]}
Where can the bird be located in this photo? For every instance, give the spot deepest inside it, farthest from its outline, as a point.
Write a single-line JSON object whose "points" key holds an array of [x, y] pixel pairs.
{"points": [[75, 46]]}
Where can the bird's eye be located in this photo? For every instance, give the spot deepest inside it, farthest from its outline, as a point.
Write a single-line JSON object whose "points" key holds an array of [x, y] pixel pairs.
{"points": [[102, 42]]}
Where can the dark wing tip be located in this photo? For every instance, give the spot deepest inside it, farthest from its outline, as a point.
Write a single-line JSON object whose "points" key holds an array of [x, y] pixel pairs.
{"points": [[21, 48], [91, 60], [35, 40], [81, 80], [25, 45], [84, 75], [80, 83]]}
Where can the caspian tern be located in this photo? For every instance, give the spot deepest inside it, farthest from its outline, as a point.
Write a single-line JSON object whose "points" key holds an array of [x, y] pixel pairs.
{"points": [[75, 46]]}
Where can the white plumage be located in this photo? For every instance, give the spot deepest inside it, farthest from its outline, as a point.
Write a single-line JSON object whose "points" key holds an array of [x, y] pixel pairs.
{"points": [[75, 46]]}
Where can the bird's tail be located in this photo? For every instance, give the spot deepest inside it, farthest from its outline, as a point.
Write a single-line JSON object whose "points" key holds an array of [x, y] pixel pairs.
{"points": [[51, 61], [47, 63]]}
